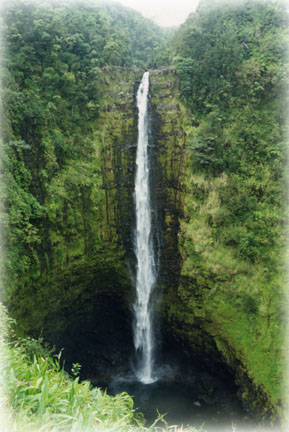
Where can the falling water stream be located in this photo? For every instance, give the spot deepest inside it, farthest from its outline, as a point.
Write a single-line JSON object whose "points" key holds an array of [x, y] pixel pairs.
{"points": [[200, 395], [145, 271]]}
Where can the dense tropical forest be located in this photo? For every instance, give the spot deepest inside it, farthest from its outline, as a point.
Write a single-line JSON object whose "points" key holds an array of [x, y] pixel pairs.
{"points": [[218, 111]]}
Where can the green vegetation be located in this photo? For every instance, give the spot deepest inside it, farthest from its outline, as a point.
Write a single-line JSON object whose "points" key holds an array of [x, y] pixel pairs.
{"points": [[52, 78], [69, 132], [232, 62], [43, 397]]}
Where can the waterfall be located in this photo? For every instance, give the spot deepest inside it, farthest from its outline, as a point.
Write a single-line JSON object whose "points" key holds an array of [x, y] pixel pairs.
{"points": [[145, 271]]}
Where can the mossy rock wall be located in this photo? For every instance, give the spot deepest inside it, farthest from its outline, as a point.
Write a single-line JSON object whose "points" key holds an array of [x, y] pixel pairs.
{"points": [[168, 147], [78, 286], [213, 307], [218, 309]]}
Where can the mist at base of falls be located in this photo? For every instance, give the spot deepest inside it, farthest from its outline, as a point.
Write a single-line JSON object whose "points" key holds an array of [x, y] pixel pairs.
{"points": [[205, 401]]}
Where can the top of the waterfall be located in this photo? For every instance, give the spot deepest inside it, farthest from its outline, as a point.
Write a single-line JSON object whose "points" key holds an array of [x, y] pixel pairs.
{"points": [[143, 90]]}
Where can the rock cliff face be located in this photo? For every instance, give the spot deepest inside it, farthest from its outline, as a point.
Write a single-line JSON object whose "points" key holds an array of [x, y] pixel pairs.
{"points": [[79, 287], [167, 171], [79, 293], [207, 314]]}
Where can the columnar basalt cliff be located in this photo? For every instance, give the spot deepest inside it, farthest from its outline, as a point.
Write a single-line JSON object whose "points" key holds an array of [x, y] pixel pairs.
{"points": [[168, 138], [81, 283], [117, 124], [198, 274]]}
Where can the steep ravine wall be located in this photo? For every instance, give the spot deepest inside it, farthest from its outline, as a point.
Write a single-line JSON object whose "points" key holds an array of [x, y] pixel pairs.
{"points": [[79, 284], [205, 315], [80, 289], [208, 314]]}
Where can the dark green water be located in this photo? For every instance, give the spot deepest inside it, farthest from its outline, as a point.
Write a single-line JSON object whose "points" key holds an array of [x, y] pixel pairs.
{"points": [[185, 405]]}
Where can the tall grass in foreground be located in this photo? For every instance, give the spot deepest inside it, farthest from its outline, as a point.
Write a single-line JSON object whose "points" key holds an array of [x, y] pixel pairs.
{"points": [[38, 395]]}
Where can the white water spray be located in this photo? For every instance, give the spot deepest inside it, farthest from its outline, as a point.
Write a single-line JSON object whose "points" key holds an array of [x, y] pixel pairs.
{"points": [[145, 274]]}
